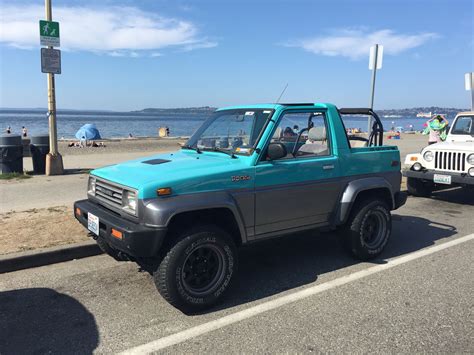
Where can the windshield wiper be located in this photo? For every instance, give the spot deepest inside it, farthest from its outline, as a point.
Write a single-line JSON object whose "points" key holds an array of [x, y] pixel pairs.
{"points": [[231, 153], [192, 148]]}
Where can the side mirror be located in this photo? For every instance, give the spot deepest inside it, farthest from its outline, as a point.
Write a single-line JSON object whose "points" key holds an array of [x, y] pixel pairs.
{"points": [[276, 151]]}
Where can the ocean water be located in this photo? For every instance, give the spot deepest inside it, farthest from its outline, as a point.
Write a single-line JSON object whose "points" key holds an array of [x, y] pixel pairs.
{"points": [[120, 124]]}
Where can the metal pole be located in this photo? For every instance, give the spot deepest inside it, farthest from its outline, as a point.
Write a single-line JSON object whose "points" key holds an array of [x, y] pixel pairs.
{"points": [[372, 91], [54, 163], [472, 91]]}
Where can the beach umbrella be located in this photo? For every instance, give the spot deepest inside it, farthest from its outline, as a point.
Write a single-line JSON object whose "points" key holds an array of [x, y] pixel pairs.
{"points": [[89, 131]]}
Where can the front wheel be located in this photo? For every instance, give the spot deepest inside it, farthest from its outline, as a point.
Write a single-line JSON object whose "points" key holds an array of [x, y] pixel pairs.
{"points": [[197, 269], [368, 229]]}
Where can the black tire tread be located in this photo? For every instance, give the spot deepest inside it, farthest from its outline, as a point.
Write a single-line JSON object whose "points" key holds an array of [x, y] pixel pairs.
{"points": [[350, 232]]}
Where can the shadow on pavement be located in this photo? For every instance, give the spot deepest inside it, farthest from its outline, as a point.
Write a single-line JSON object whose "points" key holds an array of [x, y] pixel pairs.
{"points": [[41, 320], [274, 266], [463, 196]]}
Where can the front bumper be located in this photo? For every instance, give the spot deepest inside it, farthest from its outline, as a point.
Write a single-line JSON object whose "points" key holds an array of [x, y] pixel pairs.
{"points": [[137, 240], [456, 178]]}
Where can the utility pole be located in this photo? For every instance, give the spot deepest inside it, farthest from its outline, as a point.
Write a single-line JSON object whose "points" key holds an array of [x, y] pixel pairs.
{"points": [[375, 62], [469, 83], [54, 160]]}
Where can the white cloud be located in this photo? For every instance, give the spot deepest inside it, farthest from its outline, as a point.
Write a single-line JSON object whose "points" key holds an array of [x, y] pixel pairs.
{"points": [[355, 43], [118, 31]]}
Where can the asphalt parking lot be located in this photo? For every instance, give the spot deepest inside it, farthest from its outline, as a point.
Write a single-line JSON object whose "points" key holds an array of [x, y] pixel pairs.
{"points": [[301, 293]]}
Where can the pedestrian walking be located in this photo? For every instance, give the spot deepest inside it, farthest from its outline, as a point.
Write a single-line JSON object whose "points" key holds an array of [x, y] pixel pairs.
{"points": [[8, 130], [24, 132]]}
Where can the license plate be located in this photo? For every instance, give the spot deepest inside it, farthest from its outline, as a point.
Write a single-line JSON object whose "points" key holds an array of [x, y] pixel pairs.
{"points": [[442, 179], [93, 223]]}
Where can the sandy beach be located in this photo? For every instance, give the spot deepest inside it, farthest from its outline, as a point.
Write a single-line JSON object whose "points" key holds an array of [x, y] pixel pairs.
{"points": [[46, 201]]}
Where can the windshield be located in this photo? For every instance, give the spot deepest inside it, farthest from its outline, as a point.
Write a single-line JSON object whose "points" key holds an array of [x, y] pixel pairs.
{"points": [[230, 131], [464, 125]]}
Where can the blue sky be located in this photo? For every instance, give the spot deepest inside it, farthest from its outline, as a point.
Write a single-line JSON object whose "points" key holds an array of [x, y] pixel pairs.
{"points": [[128, 55]]}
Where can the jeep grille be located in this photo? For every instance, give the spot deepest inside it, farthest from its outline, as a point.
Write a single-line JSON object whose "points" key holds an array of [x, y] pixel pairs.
{"points": [[450, 161]]}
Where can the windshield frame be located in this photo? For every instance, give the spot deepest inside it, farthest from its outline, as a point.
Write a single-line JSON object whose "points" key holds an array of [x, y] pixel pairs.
{"points": [[192, 141]]}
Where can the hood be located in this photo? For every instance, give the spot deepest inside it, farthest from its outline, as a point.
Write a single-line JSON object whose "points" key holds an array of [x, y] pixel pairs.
{"points": [[179, 170], [452, 146]]}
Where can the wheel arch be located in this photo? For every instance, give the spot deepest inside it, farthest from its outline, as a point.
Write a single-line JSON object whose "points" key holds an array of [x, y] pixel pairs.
{"points": [[361, 189], [217, 208]]}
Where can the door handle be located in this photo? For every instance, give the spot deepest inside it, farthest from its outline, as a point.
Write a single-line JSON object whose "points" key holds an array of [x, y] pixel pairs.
{"points": [[328, 167]]}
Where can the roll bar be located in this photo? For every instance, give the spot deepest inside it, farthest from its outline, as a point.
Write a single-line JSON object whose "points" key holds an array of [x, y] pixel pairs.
{"points": [[376, 136]]}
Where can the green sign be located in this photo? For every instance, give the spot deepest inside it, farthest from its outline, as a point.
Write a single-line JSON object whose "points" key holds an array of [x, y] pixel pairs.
{"points": [[49, 33]]}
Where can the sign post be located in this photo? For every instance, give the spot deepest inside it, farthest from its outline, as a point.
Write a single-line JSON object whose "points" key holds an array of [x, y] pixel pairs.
{"points": [[49, 36], [375, 62], [469, 83]]}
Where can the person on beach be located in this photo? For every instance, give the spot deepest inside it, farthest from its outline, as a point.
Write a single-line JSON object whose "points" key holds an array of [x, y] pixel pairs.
{"points": [[436, 129], [167, 131], [24, 132], [8, 130]]}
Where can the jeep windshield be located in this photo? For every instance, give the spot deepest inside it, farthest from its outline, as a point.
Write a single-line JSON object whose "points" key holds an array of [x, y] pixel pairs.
{"points": [[464, 125], [230, 131]]}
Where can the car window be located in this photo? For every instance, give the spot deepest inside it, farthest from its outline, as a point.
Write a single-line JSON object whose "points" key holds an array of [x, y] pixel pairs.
{"points": [[303, 134], [464, 125]]}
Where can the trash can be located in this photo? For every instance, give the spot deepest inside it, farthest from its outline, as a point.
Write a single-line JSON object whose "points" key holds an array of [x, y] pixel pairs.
{"points": [[39, 148], [11, 154]]}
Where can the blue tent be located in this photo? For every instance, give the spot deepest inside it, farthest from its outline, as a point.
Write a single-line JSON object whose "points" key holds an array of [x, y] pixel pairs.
{"points": [[88, 131]]}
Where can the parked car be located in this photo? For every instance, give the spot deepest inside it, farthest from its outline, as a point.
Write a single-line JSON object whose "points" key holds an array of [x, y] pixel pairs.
{"points": [[241, 178], [445, 164]]}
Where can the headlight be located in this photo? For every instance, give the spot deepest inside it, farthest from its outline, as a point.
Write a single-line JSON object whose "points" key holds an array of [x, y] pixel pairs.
{"points": [[428, 156], [470, 159], [129, 201], [91, 185], [471, 172]]}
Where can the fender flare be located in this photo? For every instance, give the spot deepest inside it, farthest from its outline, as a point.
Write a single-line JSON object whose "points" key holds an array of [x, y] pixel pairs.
{"points": [[160, 211], [354, 188]]}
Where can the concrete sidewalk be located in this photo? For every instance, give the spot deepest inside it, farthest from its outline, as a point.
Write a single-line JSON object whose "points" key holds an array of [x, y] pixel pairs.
{"points": [[48, 191]]}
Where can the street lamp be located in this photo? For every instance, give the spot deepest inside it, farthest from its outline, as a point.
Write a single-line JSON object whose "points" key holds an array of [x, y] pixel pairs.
{"points": [[469, 84], [375, 62]]}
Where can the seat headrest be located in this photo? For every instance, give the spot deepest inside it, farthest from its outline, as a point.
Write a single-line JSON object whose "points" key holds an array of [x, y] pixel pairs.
{"points": [[278, 133], [317, 134]]}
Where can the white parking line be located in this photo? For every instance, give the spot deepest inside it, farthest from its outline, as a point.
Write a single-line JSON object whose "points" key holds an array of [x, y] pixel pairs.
{"points": [[284, 300]]}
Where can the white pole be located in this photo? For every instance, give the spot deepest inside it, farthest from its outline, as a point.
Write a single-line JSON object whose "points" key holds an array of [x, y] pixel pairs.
{"points": [[372, 91]]}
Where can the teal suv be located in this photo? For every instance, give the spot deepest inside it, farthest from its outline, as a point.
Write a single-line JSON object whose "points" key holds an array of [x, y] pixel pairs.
{"points": [[249, 173]]}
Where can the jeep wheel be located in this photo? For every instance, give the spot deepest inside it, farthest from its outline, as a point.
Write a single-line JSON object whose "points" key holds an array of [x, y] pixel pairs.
{"points": [[419, 188], [368, 229], [197, 269]]}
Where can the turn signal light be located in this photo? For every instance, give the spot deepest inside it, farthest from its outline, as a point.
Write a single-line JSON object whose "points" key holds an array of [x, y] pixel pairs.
{"points": [[117, 234], [164, 191], [413, 158], [78, 211]]}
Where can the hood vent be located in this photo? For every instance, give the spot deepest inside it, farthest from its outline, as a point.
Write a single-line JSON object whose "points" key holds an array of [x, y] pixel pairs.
{"points": [[155, 161]]}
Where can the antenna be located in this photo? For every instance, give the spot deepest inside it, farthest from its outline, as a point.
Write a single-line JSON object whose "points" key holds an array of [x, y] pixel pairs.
{"points": [[281, 93]]}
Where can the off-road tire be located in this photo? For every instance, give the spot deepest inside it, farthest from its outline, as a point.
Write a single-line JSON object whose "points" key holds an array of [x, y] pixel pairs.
{"points": [[175, 275], [419, 188], [367, 214]]}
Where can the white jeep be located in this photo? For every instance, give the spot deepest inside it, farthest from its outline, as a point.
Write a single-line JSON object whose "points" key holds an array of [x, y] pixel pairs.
{"points": [[445, 164]]}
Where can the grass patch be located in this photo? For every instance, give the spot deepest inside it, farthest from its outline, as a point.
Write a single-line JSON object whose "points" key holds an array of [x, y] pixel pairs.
{"points": [[11, 176]]}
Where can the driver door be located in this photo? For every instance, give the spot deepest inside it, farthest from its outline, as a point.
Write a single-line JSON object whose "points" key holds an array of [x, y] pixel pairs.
{"points": [[296, 191]]}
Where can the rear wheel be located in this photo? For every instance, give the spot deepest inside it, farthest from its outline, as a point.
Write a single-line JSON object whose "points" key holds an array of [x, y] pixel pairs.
{"points": [[368, 229], [197, 269], [419, 188]]}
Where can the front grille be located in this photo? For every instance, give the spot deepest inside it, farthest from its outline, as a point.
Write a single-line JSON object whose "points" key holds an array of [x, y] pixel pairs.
{"points": [[108, 193], [452, 161]]}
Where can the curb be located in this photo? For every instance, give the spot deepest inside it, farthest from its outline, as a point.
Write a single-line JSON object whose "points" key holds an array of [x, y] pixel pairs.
{"points": [[29, 259]]}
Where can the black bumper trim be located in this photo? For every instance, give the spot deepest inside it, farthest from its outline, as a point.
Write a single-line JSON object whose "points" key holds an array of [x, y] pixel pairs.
{"points": [[456, 178], [138, 240]]}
